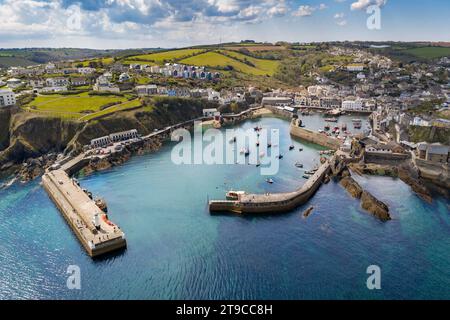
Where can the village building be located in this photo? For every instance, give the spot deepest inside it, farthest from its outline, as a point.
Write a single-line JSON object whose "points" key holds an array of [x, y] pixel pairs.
{"points": [[434, 152], [7, 98]]}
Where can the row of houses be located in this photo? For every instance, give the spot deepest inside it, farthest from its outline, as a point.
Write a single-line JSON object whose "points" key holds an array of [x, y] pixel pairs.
{"points": [[49, 68], [114, 137], [323, 102], [184, 71], [209, 94]]}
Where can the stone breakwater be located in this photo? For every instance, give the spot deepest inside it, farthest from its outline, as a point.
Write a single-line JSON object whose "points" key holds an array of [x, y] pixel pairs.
{"points": [[314, 137], [272, 203]]}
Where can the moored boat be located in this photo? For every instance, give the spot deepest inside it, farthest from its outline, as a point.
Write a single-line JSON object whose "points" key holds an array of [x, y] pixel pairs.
{"points": [[234, 195]]}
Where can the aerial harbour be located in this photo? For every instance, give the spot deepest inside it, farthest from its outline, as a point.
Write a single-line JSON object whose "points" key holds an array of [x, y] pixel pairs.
{"points": [[226, 155]]}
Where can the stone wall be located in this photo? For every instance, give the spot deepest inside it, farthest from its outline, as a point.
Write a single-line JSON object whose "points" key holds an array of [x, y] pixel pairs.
{"points": [[315, 137]]}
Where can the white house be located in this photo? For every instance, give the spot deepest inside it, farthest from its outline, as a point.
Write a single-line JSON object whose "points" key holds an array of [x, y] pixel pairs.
{"points": [[211, 112], [124, 77], [355, 67], [14, 83], [417, 121], [57, 82], [352, 105], [361, 76], [86, 70], [7, 98], [147, 90]]}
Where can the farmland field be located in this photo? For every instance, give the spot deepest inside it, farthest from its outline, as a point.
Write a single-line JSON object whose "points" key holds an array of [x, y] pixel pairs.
{"points": [[105, 61], [161, 57], [119, 107], [255, 48], [218, 61], [72, 106], [429, 52], [268, 66]]}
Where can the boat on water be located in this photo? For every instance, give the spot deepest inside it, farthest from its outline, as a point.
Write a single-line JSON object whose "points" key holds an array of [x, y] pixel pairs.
{"points": [[344, 127], [357, 123], [234, 195], [310, 172], [247, 152], [270, 181], [291, 147], [232, 140], [257, 143], [299, 165], [300, 149], [331, 119], [306, 176], [327, 127], [280, 156], [269, 145]]}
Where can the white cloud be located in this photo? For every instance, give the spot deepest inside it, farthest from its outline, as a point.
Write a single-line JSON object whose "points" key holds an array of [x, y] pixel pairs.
{"points": [[339, 15], [342, 23], [363, 4], [303, 11], [307, 10]]}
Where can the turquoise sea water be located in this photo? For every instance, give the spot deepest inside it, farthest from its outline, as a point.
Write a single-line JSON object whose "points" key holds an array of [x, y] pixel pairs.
{"points": [[177, 250]]}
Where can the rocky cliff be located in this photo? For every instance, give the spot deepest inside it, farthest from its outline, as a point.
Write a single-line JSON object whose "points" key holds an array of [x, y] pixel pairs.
{"points": [[31, 136]]}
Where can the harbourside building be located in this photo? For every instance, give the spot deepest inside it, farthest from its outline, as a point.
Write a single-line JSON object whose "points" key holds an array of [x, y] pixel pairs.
{"points": [[434, 152], [276, 101], [114, 137], [212, 112]]}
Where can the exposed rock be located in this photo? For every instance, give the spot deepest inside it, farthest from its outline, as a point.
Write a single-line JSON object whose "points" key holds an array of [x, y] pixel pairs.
{"points": [[375, 206], [119, 158], [352, 187], [415, 185]]}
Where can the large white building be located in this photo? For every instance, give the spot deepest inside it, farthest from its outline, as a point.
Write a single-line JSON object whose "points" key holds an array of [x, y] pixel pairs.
{"points": [[355, 67], [352, 105], [7, 98]]}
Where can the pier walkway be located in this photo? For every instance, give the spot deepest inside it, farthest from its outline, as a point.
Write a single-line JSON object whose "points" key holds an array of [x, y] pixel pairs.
{"points": [[273, 203], [89, 223]]}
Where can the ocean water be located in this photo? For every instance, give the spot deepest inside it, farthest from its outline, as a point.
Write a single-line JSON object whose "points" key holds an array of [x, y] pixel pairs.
{"points": [[177, 250]]}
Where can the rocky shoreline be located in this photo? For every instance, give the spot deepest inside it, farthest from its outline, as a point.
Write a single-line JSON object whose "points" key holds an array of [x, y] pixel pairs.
{"points": [[403, 172], [368, 202]]}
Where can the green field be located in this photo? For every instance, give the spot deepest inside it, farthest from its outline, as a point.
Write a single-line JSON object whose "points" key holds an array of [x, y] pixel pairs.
{"points": [[105, 61], [267, 66], [428, 52], [72, 106], [216, 60], [120, 107], [162, 57]]}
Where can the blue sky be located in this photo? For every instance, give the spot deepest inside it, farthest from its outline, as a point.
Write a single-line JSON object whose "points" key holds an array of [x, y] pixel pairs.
{"points": [[176, 23]]}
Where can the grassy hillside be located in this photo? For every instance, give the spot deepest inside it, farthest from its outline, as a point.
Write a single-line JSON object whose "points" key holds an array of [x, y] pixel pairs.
{"points": [[78, 106], [215, 60], [429, 52], [267, 66], [166, 56]]}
